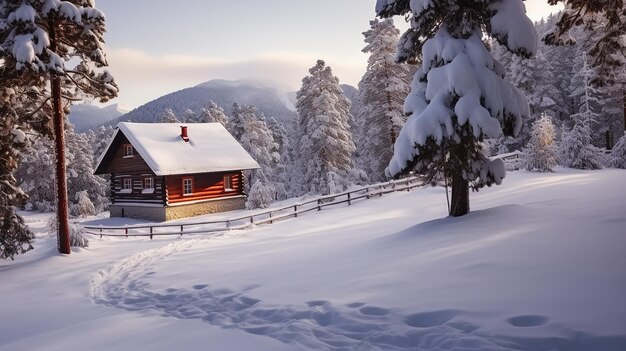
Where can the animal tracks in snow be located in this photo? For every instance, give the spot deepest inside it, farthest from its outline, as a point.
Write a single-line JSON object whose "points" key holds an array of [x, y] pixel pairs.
{"points": [[314, 325]]}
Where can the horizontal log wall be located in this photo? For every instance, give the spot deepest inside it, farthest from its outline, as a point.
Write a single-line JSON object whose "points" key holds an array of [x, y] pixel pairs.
{"points": [[205, 186], [137, 195]]}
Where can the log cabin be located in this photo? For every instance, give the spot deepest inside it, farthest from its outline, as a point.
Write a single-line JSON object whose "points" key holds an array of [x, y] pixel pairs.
{"points": [[164, 171]]}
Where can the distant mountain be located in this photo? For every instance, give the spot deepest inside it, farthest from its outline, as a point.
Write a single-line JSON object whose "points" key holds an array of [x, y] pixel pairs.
{"points": [[350, 92], [85, 117], [271, 100]]}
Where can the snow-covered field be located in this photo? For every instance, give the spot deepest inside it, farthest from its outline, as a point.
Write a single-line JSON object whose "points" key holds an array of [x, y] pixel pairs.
{"points": [[537, 265]]}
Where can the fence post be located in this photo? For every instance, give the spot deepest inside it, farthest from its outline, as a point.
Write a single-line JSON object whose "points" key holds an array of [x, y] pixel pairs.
{"points": [[100, 233], [228, 224], [318, 204], [251, 219], [381, 190], [349, 202], [295, 210], [181, 230], [271, 221], [367, 192], [126, 232], [408, 185], [151, 232]]}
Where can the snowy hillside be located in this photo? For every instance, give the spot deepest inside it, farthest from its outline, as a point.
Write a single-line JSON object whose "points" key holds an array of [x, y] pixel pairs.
{"points": [[270, 100], [86, 116], [537, 265]]}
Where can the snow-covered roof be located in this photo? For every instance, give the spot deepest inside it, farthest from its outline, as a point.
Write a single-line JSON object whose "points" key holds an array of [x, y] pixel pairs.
{"points": [[210, 148]]}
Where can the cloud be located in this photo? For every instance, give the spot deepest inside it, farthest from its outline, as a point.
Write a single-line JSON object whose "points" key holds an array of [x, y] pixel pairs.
{"points": [[143, 77]]}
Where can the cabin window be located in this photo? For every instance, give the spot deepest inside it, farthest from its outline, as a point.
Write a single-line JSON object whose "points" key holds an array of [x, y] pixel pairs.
{"points": [[128, 150], [148, 183], [187, 186], [127, 185], [228, 182]]}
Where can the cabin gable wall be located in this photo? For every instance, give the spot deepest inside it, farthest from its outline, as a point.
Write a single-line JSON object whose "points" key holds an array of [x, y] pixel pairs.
{"points": [[117, 162]]}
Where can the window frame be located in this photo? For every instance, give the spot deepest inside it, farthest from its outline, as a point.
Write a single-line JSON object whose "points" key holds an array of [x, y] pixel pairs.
{"points": [[128, 151], [228, 177], [124, 182], [144, 183], [190, 179]]}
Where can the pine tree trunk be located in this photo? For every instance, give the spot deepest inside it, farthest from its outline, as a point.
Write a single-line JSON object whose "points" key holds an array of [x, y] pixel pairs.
{"points": [[459, 204], [59, 140]]}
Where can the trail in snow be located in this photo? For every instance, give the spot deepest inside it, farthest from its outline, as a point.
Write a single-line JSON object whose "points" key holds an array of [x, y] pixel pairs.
{"points": [[316, 325]]}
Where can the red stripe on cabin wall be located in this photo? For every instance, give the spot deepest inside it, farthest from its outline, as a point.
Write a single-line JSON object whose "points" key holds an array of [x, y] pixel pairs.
{"points": [[205, 186]]}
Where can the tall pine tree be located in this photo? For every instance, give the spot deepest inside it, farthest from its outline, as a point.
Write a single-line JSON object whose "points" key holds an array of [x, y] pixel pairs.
{"points": [[15, 237], [382, 91], [60, 43], [458, 97], [258, 140], [577, 150], [325, 144]]}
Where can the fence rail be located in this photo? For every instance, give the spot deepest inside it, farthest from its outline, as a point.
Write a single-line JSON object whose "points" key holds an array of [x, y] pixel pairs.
{"points": [[264, 217]]}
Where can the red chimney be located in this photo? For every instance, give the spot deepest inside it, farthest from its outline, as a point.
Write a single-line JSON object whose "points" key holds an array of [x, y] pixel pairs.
{"points": [[183, 133]]}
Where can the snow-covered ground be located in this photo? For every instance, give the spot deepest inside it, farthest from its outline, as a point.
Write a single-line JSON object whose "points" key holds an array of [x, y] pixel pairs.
{"points": [[537, 265]]}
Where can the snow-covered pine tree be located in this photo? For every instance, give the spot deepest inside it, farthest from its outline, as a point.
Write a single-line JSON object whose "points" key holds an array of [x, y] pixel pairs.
{"points": [[15, 237], [261, 195], [99, 140], [618, 153], [60, 42], [33, 175], [282, 170], [577, 151], [561, 60], [279, 133], [533, 77], [541, 152], [325, 146], [80, 172], [583, 93], [238, 120], [576, 148], [189, 116], [83, 207], [213, 113], [546, 97], [168, 116], [612, 120], [38, 163], [257, 139], [382, 91], [458, 97]]}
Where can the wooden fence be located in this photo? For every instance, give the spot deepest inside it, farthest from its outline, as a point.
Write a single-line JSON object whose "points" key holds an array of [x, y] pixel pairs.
{"points": [[264, 217]]}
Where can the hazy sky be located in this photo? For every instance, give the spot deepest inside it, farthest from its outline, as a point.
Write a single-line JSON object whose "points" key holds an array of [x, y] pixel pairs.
{"points": [[155, 47]]}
